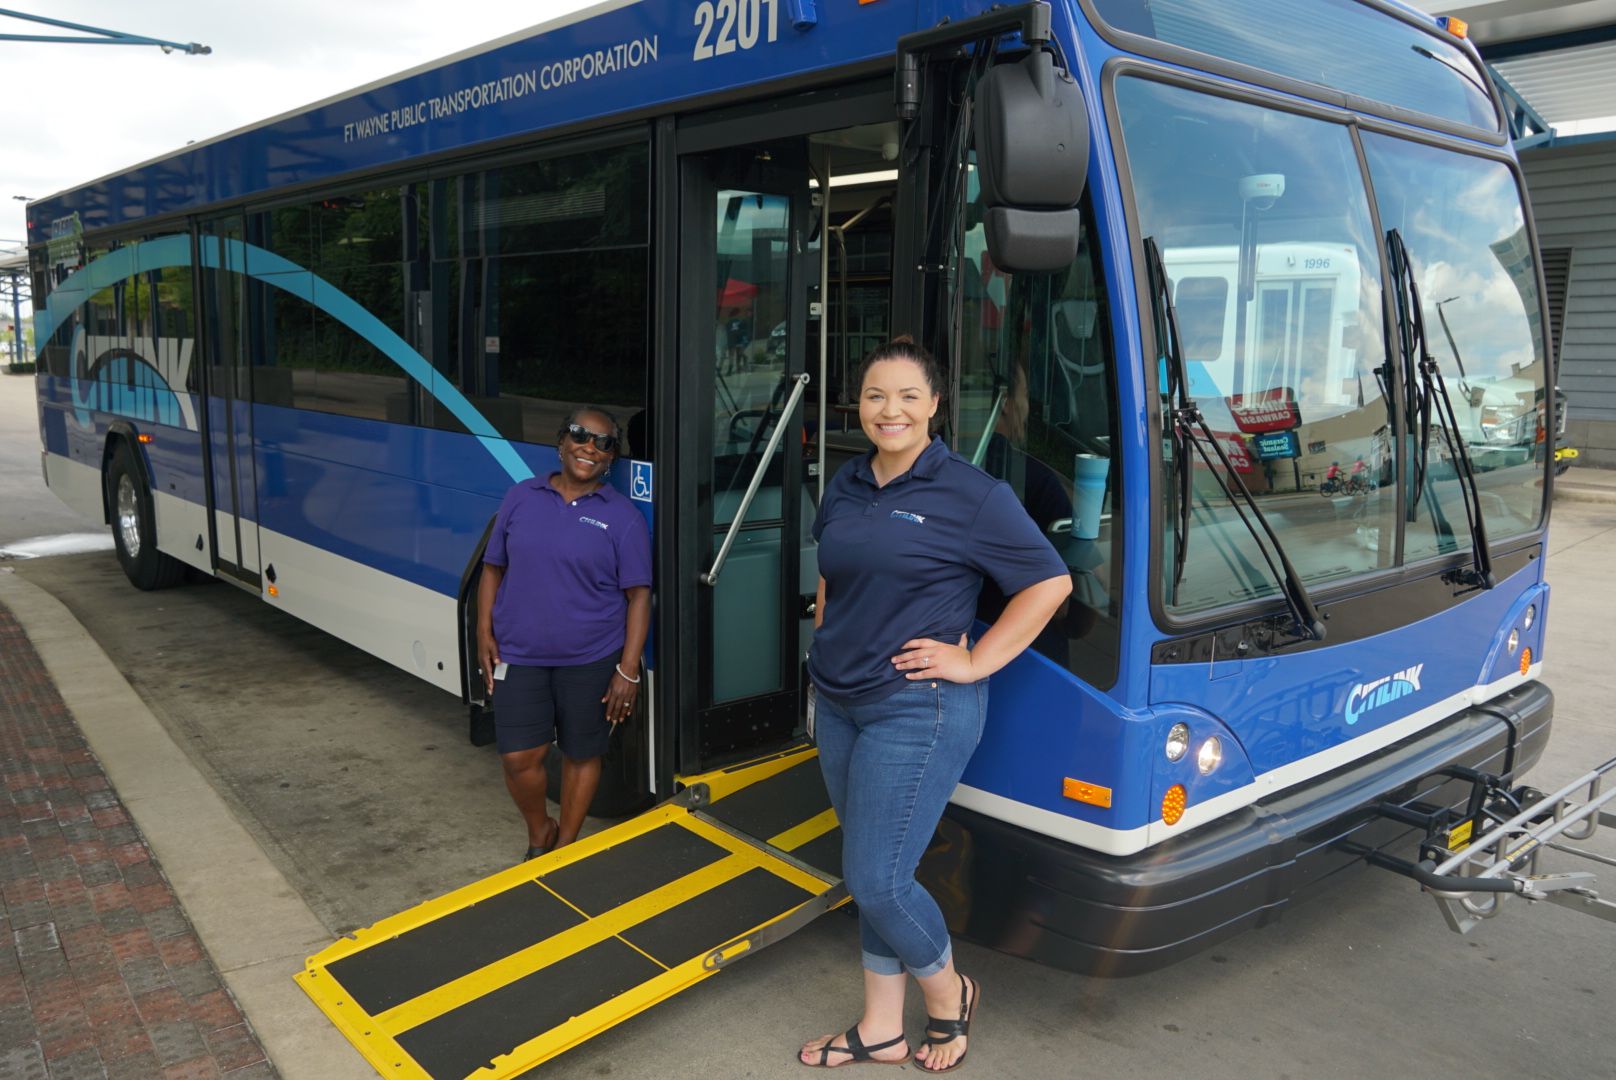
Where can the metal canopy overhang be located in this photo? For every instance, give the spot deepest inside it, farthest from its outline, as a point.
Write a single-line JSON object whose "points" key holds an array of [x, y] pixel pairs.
{"points": [[1558, 55]]}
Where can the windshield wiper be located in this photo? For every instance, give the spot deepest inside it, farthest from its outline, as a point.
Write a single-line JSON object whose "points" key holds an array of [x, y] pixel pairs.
{"points": [[1183, 418], [1455, 68], [1427, 393]]}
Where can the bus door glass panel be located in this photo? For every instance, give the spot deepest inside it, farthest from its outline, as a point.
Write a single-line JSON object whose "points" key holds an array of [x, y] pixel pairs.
{"points": [[1461, 220], [1273, 205], [748, 280], [753, 242], [229, 397], [1035, 394]]}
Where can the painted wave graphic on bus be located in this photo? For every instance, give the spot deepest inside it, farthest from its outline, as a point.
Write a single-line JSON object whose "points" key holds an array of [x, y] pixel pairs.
{"points": [[259, 264]]}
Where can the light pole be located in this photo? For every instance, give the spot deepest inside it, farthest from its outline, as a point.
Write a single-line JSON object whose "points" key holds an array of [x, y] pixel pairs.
{"points": [[1441, 316]]}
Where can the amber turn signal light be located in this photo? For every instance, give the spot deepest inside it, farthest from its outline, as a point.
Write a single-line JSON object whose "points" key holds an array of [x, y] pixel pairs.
{"points": [[1173, 804]]}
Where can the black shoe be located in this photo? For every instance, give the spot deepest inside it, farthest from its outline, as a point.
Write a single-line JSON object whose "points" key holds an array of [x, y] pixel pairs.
{"points": [[548, 846]]}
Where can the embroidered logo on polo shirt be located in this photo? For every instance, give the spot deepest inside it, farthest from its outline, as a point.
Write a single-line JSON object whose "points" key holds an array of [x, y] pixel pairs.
{"points": [[596, 522], [904, 515]]}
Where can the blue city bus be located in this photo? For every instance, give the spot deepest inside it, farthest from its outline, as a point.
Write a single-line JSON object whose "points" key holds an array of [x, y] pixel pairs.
{"points": [[1239, 296]]}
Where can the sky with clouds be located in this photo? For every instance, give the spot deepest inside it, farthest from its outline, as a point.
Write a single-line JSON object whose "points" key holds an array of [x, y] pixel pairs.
{"points": [[78, 112]]}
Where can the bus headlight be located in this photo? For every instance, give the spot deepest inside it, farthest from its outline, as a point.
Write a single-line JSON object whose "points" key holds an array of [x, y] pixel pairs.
{"points": [[1514, 641], [1178, 742], [1531, 616], [1210, 755]]}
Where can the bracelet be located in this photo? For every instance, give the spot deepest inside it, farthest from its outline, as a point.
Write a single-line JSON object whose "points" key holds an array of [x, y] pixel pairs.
{"points": [[626, 675]]}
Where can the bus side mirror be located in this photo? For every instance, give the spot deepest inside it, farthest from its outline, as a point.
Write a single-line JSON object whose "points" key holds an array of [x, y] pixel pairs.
{"points": [[1032, 154]]}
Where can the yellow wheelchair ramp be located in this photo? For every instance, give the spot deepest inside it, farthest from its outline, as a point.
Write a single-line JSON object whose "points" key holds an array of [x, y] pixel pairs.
{"points": [[501, 975]]}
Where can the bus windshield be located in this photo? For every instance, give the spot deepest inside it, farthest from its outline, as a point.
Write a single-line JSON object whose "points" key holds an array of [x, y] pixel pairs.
{"points": [[1265, 231], [1264, 226], [1461, 220], [1340, 44]]}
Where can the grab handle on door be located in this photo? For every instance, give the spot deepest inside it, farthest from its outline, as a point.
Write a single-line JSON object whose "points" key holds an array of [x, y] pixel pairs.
{"points": [[710, 578]]}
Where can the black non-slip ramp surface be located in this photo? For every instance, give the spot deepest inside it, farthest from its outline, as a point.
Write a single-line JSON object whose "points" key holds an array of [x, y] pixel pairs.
{"points": [[770, 808], [633, 868], [471, 1036], [823, 853], [395, 971], [496, 977], [703, 923]]}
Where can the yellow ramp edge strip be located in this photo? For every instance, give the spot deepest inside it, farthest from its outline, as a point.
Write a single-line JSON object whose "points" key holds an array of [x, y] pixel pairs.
{"points": [[387, 1057], [374, 1036], [798, 835]]}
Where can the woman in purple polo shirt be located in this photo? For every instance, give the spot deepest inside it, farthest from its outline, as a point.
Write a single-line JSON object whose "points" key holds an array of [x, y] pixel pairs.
{"points": [[562, 613], [907, 535]]}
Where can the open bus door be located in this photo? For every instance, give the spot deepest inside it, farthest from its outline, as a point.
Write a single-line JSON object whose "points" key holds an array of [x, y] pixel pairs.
{"points": [[740, 587], [503, 974]]}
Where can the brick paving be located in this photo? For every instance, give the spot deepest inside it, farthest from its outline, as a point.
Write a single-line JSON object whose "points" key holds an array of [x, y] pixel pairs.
{"points": [[101, 974]]}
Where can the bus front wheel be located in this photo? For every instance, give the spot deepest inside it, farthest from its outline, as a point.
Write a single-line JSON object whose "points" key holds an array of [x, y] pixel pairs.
{"points": [[134, 525]]}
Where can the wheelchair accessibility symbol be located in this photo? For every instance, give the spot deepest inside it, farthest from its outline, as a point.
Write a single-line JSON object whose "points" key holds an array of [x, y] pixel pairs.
{"points": [[639, 480]]}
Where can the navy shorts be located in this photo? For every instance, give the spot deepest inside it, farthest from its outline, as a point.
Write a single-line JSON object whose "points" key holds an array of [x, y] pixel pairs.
{"points": [[535, 706]]}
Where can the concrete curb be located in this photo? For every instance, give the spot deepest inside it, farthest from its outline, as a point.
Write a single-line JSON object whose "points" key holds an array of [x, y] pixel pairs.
{"points": [[254, 925], [1589, 493]]}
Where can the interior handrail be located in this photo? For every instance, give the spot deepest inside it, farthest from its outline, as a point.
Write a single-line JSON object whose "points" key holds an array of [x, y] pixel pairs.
{"points": [[710, 578]]}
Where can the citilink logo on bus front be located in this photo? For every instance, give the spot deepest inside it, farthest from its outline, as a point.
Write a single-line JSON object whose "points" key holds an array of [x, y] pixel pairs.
{"points": [[1368, 696]]}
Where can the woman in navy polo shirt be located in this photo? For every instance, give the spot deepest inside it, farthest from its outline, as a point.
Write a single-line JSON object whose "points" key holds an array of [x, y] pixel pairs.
{"points": [[907, 535], [562, 613]]}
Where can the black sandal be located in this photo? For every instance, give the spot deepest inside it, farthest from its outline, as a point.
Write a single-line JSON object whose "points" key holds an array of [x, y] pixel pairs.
{"points": [[858, 1053], [545, 849], [949, 1030]]}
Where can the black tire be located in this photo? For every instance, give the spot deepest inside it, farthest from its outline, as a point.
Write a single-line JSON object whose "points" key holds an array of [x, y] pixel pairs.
{"points": [[134, 524]]}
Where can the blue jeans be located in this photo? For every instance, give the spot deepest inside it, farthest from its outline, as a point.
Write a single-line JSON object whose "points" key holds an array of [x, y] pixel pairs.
{"points": [[890, 767]]}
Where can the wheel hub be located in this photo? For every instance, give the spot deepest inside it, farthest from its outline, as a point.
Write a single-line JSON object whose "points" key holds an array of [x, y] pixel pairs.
{"points": [[128, 516]]}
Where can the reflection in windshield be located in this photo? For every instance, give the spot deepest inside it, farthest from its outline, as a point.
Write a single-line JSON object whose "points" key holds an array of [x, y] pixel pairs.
{"points": [[1461, 220], [751, 289], [1342, 44], [1265, 233]]}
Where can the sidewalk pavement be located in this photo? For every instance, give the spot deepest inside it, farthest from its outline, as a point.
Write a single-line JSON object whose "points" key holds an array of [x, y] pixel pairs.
{"points": [[101, 973], [1584, 483], [143, 932]]}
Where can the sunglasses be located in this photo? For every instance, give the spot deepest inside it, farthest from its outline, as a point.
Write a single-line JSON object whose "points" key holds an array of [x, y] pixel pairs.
{"points": [[580, 435]]}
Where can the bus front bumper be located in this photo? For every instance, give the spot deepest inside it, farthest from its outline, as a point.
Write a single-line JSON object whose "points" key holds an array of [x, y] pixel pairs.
{"points": [[1029, 895]]}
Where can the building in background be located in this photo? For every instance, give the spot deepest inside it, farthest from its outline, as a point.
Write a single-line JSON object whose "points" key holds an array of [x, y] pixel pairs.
{"points": [[1555, 64]]}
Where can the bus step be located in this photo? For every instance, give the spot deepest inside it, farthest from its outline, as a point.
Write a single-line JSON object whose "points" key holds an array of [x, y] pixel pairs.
{"points": [[1472, 861], [498, 976]]}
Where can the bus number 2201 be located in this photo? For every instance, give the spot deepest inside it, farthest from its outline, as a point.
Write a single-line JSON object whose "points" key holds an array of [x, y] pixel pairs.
{"points": [[739, 23]]}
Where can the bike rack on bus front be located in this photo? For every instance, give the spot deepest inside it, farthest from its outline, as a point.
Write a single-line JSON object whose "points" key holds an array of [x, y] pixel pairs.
{"points": [[1470, 875]]}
